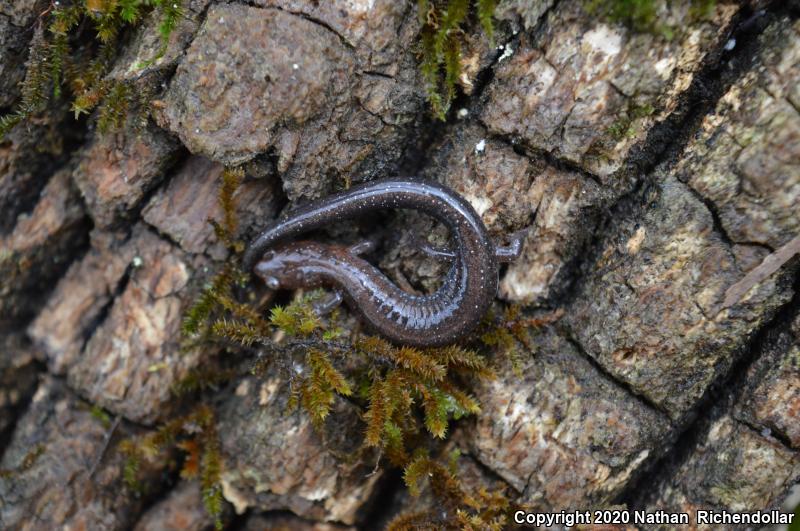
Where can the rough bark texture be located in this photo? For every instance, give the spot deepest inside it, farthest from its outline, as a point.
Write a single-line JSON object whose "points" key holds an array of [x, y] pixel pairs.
{"points": [[279, 461], [62, 474], [650, 171]]}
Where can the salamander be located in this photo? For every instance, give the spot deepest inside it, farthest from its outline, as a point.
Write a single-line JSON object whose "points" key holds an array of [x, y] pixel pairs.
{"points": [[418, 320]]}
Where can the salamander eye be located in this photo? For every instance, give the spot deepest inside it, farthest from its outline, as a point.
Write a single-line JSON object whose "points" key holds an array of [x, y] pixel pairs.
{"points": [[272, 283]]}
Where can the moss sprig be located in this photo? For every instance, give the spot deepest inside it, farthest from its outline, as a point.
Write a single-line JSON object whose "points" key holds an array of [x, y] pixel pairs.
{"points": [[625, 125], [454, 507], [507, 331], [35, 86], [195, 436], [441, 36], [642, 15], [62, 56]]}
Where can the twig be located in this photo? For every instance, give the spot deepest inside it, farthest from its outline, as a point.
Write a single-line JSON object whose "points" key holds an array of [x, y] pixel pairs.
{"points": [[767, 267], [106, 442]]}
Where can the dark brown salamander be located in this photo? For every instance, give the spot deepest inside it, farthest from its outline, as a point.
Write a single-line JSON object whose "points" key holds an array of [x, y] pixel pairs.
{"points": [[420, 320]]}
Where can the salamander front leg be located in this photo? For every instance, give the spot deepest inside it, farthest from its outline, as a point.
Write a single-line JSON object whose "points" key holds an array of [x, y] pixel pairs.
{"points": [[327, 305], [445, 255], [363, 247], [512, 251]]}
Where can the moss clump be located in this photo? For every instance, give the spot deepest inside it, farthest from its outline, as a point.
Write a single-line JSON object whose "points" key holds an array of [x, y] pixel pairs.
{"points": [[506, 332], [100, 415], [624, 126], [195, 435], [73, 48], [456, 507], [392, 384], [642, 15], [443, 24]]}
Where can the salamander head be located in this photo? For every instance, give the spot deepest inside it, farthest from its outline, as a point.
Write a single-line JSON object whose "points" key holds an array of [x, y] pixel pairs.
{"points": [[289, 266]]}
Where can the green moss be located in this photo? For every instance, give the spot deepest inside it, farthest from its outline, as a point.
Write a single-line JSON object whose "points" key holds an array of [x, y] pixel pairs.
{"points": [[196, 436], [507, 332], [74, 47], [642, 15], [443, 23], [702, 9], [34, 87], [455, 507], [209, 376], [625, 125], [101, 415]]}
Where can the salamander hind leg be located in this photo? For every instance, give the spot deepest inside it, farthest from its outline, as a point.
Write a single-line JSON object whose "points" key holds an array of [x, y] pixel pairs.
{"points": [[512, 251]]}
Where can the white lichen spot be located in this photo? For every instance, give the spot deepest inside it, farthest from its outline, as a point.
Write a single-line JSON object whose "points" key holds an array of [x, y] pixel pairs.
{"points": [[632, 466], [526, 281], [480, 147], [664, 67], [694, 38], [360, 6], [604, 39], [732, 98], [718, 430], [507, 52], [462, 113], [62, 406], [295, 66]]}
